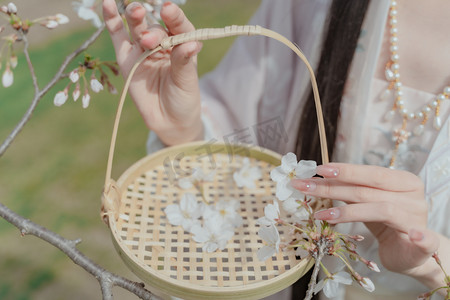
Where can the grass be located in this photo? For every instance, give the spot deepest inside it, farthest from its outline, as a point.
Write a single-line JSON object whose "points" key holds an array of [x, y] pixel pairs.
{"points": [[54, 171]]}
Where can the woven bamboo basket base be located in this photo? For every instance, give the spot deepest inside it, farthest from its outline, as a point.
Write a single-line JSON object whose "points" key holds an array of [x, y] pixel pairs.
{"points": [[167, 258]]}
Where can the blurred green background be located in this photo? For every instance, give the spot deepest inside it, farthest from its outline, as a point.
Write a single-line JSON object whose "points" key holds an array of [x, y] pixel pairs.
{"points": [[53, 173]]}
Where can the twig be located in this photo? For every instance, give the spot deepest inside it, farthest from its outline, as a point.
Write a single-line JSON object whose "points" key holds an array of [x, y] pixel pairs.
{"points": [[323, 244], [40, 93], [30, 65], [106, 279]]}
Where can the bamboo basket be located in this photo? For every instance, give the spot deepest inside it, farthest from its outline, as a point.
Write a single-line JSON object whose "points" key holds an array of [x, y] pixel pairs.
{"points": [[164, 256]]}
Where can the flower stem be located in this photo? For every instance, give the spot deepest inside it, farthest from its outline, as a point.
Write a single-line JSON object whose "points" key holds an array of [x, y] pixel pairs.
{"points": [[318, 260]]}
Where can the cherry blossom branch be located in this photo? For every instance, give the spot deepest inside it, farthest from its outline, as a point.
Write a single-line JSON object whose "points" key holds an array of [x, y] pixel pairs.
{"points": [[40, 93], [106, 279], [323, 244]]}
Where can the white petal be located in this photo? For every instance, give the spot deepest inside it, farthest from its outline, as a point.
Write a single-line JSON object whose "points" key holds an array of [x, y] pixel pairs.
{"points": [[264, 221], [269, 234], [85, 100], [62, 19], [76, 94], [319, 286], [367, 284], [8, 77], [12, 8], [210, 247], [185, 183], [60, 98], [330, 288], [289, 162], [284, 189], [300, 215], [272, 211], [305, 169], [291, 205], [74, 76], [51, 24], [200, 234], [343, 277], [277, 174], [96, 86], [188, 203], [265, 252]]}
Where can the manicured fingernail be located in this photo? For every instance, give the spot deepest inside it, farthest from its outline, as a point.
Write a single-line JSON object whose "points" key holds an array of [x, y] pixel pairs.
{"points": [[303, 185], [167, 3], [416, 235], [328, 214], [327, 171]]}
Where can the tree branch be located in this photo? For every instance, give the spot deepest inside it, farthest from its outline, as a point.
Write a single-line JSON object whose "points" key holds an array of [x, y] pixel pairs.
{"points": [[40, 93], [323, 244], [106, 279]]}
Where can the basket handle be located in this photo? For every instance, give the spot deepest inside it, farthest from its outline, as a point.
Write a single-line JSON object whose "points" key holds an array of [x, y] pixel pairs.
{"points": [[110, 195]]}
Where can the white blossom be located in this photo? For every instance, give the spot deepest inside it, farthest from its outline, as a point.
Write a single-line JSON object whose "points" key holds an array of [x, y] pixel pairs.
{"points": [[330, 284], [74, 76], [288, 170], [367, 284], [271, 213], [373, 266], [186, 213], [13, 61], [271, 237], [76, 92], [50, 24], [12, 8], [197, 176], [86, 11], [225, 211], [60, 98], [8, 77], [214, 234], [246, 176], [85, 100], [96, 86], [61, 19]]}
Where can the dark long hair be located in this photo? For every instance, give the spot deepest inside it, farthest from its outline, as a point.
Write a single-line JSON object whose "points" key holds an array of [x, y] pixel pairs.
{"points": [[345, 19]]}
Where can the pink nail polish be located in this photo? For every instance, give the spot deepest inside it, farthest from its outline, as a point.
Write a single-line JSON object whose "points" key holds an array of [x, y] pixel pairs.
{"points": [[304, 186], [167, 3], [328, 214], [327, 171]]}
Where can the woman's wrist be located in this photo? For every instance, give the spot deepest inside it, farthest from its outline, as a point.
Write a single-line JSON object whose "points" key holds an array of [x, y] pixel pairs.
{"points": [[182, 134]]}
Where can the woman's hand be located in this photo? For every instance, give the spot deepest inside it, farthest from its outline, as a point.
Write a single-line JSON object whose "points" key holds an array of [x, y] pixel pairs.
{"points": [[392, 205], [165, 87]]}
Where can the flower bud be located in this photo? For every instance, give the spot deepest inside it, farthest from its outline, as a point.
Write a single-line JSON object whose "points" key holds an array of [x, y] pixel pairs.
{"points": [[12, 8], [60, 98], [50, 24], [61, 19], [86, 99], [8, 77], [74, 76], [96, 86], [13, 60]]}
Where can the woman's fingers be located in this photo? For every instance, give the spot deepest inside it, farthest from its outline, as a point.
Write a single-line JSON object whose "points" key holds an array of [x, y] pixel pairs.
{"points": [[115, 26], [342, 191], [137, 23], [372, 176], [175, 19], [391, 214]]}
